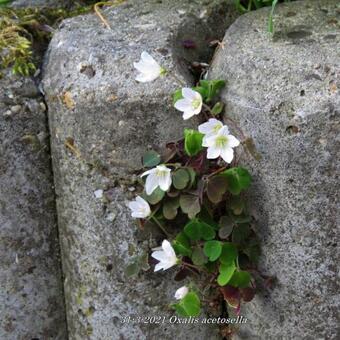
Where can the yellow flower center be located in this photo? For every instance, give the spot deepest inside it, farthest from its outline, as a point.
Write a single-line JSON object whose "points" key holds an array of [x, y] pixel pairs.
{"points": [[216, 128], [196, 103], [221, 141]]}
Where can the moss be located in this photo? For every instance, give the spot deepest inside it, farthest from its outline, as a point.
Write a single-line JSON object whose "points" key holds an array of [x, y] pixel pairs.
{"points": [[23, 31]]}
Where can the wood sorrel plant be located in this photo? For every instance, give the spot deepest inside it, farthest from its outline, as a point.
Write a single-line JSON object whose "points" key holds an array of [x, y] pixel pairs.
{"points": [[194, 194]]}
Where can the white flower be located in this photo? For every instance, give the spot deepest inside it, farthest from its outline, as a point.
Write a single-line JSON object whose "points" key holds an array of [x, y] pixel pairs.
{"points": [[166, 257], [158, 176], [190, 104], [139, 208], [210, 128], [181, 292], [221, 144], [148, 67]]}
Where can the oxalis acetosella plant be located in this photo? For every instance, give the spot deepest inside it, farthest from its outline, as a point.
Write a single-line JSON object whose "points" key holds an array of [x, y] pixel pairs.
{"points": [[193, 193]]}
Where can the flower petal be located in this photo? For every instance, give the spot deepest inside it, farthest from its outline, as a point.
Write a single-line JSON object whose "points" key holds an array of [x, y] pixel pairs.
{"points": [[183, 105], [188, 114], [159, 266], [166, 245], [213, 152], [165, 182], [227, 154], [151, 183], [159, 255], [148, 172], [233, 141], [188, 93], [145, 56]]}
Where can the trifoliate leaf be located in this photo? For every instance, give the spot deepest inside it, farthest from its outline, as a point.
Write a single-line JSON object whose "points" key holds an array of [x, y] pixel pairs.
{"points": [[181, 244], [196, 230], [190, 205], [190, 305], [229, 253], [151, 158], [226, 273], [132, 269], [237, 205], [213, 249], [155, 197], [238, 179], [192, 142], [198, 257], [217, 109], [216, 188], [226, 227], [180, 179], [177, 95], [170, 208], [240, 279]]}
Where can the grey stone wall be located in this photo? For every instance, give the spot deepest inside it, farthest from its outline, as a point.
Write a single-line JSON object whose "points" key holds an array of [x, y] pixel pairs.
{"points": [[284, 92], [31, 297]]}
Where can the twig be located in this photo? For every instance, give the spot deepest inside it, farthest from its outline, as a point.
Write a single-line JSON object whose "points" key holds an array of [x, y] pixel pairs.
{"points": [[105, 3]]}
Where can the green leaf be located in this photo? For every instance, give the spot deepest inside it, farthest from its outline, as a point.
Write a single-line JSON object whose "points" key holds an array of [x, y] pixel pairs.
{"points": [[170, 208], [181, 245], [206, 217], [207, 232], [213, 250], [180, 179], [237, 205], [217, 109], [270, 19], [192, 142], [226, 227], [192, 175], [229, 253], [151, 158], [240, 279], [177, 95], [216, 188], [196, 230], [238, 179], [132, 269], [226, 273], [212, 87], [190, 205], [198, 257], [241, 233], [155, 197], [191, 304], [202, 91]]}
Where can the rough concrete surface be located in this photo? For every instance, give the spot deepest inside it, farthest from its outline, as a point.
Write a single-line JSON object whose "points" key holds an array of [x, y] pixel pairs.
{"points": [[101, 123], [31, 298], [284, 92]]}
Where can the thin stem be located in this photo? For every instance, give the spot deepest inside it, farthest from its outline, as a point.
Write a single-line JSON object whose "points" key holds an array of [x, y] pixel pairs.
{"points": [[159, 224], [192, 266], [216, 172], [97, 11]]}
